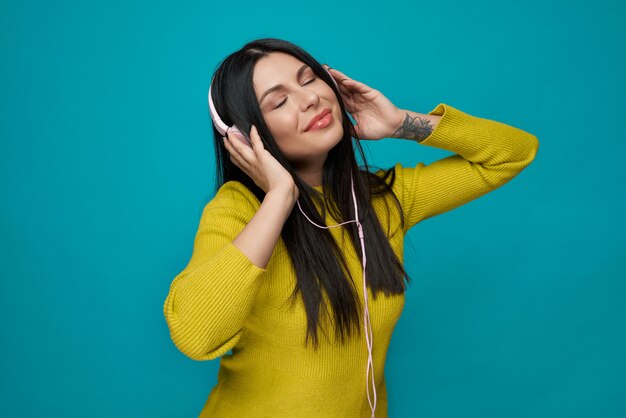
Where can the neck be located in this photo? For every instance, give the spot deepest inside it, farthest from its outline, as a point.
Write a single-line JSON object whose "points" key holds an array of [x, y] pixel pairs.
{"points": [[313, 179]]}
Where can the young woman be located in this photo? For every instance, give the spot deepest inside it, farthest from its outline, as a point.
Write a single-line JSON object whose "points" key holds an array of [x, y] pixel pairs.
{"points": [[266, 278]]}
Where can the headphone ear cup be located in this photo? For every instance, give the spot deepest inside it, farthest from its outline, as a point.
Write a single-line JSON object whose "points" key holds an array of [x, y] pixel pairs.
{"points": [[331, 77], [240, 135]]}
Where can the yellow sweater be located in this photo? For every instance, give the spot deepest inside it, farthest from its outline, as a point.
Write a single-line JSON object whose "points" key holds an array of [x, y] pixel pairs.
{"points": [[222, 301]]}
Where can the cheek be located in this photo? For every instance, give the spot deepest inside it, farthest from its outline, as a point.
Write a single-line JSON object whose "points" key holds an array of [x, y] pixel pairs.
{"points": [[283, 125]]}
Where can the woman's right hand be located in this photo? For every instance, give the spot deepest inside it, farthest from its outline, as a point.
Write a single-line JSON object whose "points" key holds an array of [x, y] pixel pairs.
{"points": [[259, 164]]}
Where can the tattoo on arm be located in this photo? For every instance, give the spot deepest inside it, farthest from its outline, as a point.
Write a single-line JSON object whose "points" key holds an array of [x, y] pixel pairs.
{"points": [[412, 129]]}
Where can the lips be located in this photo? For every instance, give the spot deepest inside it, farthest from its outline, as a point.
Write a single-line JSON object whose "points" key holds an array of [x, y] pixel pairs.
{"points": [[317, 117]]}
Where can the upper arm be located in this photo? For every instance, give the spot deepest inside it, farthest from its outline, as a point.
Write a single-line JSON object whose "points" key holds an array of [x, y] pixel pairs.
{"points": [[430, 190]]}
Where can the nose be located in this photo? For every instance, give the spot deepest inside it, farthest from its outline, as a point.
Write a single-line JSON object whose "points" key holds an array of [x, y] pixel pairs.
{"points": [[308, 98]]}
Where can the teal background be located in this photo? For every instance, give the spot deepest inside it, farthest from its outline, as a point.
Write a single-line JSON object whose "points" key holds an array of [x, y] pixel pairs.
{"points": [[517, 304]]}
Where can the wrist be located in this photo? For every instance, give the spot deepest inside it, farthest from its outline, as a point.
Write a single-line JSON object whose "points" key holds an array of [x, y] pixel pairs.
{"points": [[288, 193], [397, 123], [414, 126]]}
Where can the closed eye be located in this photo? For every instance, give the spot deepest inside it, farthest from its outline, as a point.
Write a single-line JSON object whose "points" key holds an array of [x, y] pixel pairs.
{"points": [[283, 102]]}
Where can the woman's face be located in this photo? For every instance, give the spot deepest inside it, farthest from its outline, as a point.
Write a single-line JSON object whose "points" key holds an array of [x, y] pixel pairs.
{"points": [[287, 110]]}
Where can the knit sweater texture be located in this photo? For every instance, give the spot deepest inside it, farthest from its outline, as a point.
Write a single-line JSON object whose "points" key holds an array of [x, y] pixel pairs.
{"points": [[222, 302]]}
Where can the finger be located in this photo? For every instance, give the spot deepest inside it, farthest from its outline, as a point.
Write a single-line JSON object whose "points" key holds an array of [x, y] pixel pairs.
{"points": [[338, 74], [237, 151], [237, 141], [343, 89], [229, 149], [257, 144], [234, 157], [346, 85], [232, 152], [240, 137], [357, 86], [351, 83], [327, 67]]}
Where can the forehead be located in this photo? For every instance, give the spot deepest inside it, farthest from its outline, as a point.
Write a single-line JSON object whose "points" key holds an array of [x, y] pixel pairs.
{"points": [[274, 69]]}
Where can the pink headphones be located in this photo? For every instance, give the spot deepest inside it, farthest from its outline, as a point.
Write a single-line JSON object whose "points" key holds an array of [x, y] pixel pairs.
{"points": [[223, 129]]}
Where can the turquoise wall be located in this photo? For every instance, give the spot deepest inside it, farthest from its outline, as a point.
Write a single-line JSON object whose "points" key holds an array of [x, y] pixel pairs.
{"points": [[106, 161]]}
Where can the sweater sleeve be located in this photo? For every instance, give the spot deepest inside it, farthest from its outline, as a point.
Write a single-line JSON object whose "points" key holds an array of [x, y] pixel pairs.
{"points": [[487, 155], [209, 300]]}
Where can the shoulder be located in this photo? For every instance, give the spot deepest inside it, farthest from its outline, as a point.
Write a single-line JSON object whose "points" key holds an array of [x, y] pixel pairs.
{"points": [[233, 196]]}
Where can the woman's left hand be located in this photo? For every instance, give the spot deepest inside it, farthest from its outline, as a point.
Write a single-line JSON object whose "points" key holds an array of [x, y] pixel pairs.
{"points": [[375, 115]]}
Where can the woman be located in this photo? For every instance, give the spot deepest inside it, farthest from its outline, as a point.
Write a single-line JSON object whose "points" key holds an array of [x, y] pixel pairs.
{"points": [[253, 252]]}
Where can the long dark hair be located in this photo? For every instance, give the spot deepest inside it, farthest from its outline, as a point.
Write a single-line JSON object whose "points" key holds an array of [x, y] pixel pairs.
{"points": [[316, 257]]}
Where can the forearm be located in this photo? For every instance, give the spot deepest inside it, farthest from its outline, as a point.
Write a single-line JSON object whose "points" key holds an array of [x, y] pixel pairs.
{"points": [[415, 126], [258, 238], [486, 155]]}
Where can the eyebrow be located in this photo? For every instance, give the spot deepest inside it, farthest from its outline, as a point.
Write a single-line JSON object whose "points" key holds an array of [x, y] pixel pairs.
{"points": [[280, 86]]}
